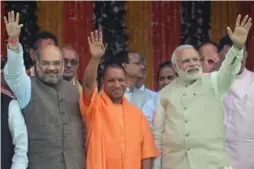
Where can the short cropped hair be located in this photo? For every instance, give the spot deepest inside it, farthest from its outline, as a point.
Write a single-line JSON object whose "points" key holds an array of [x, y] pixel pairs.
{"points": [[225, 40], [163, 65], [112, 65], [211, 43], [44, 35]]}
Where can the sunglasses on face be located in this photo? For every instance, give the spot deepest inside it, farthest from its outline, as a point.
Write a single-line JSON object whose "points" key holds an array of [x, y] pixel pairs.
{"points": [[73, 62]]}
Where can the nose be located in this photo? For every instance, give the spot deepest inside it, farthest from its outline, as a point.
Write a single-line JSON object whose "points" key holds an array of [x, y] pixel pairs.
{"points": [[117, 84], [68, 64], [142, 67], [51, 67]]}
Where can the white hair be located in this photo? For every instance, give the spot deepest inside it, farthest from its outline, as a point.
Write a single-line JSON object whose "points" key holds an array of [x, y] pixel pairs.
{"points": [[181, 47]]}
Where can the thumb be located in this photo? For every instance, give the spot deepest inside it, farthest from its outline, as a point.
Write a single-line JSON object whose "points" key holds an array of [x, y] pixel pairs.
{"points": [[230, 33], [21, 25]]}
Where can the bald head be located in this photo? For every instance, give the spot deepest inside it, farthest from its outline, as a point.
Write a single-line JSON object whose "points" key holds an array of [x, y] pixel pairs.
{"points": [[50, 64]]}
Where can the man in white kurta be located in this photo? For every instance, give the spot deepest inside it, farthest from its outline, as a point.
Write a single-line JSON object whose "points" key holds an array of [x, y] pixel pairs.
{"points": [[189, 122], [239, 119]]}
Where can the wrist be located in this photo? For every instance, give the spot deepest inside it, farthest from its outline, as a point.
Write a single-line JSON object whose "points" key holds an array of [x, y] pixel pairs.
{"points": [[96, 59], [238, 47], [13, 43]]}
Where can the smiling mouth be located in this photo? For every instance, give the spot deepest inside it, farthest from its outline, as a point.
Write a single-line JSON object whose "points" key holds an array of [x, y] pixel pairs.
{"points": [[193, 70]]}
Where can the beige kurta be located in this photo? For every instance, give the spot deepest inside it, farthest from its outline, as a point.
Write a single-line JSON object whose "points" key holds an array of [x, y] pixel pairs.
{"points": [[188, 124]]}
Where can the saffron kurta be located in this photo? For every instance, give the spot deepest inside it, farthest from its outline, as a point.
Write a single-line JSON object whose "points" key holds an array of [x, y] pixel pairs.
{"points": [[239, 121], [189, 123], [118, 136]]}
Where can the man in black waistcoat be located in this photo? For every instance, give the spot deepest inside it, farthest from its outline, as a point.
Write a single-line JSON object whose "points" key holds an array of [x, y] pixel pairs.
{"points": [[50, 105], [14, 142]]}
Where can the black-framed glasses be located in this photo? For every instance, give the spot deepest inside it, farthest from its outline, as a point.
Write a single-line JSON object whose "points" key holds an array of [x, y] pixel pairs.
{"points": [[73, 62]]}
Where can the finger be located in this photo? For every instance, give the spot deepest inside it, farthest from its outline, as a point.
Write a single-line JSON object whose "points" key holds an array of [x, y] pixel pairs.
{"points": [[9, 16], [12, 16], [21, 25], [17, 18], [89, 41], [244, 20], [238, 21], [5, 20], [96, 36], [229, 31], [249, 26], [100, 37], [248, 22], [92, 37]]}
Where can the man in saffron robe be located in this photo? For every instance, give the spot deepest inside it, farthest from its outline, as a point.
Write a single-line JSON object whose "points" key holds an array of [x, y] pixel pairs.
{"points": [[118, 134]]}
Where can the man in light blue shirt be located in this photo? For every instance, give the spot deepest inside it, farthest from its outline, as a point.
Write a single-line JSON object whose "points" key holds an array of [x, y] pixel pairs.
{"points": [[142, 99]]}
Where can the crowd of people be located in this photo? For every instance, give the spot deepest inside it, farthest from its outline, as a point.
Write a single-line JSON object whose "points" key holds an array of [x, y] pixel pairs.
{"points": [[201, 117]]}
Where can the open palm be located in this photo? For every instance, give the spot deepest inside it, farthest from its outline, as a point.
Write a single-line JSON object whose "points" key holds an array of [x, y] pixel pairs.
{"points": [[240, 34], [96, 47], [12, 24]]}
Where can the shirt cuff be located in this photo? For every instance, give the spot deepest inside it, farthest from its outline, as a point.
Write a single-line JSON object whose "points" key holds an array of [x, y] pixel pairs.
{"points": [[19, 165], [15, 62]]}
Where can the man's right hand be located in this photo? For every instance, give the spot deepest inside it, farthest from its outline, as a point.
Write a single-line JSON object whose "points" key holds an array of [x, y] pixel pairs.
{"points": [[96, 47], [13, 29]]}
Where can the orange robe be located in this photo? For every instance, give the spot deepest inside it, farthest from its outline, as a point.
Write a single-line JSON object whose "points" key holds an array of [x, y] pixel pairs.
{"points": [[118, 136]]}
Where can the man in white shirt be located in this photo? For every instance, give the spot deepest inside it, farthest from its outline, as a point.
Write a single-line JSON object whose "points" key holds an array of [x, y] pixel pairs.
{"points": [[239, 115], [14, 141]]}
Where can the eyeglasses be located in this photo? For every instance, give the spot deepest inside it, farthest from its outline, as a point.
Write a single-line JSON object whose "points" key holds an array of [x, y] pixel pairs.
{"points": [[73, 62]]}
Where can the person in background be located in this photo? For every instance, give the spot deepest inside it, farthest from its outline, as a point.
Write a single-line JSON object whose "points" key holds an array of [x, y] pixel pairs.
{"points": [[239, 114], [166, 74], [140, 84], [71, 63], [14, 141], [209, 56], [189, 123], [135, 73], [41, 41], [119, 136], [50, 105]]}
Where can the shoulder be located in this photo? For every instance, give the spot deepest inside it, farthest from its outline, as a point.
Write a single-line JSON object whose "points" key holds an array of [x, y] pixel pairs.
{"points": [[153, 93], [70, 89]]}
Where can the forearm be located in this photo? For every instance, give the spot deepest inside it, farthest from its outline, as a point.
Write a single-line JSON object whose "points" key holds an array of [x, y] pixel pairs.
{"points": [[19, 135], [90, 76], [16, 77], [223, 79], [146, 163]]}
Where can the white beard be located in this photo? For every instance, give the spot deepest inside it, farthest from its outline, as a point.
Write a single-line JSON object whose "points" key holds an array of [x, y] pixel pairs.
{"points": [[185, 76]]}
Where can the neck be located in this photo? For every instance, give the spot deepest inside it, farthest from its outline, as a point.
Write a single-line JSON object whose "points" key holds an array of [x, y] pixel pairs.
{"points": [[118, 101], [132, 81], [139, 85], [69, 79]]}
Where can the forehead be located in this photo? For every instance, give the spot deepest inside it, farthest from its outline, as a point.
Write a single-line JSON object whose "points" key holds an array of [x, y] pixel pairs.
{"points": [[208, 48], [187, 53], [114, 72], [51, 53], [166, 70], [134, 56], [69, 53]]}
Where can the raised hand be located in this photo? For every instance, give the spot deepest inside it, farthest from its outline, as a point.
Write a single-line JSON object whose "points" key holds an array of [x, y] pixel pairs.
{"points": [[12, 25], [96, 47], [240, 34]]}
